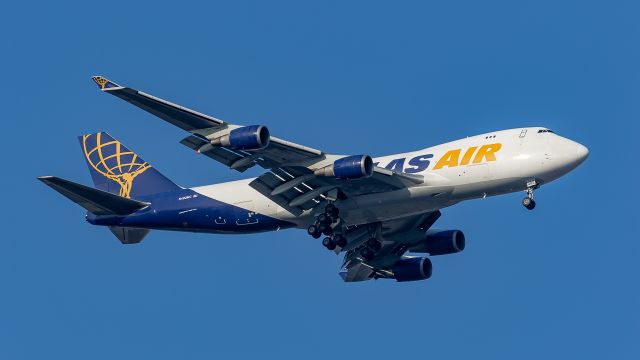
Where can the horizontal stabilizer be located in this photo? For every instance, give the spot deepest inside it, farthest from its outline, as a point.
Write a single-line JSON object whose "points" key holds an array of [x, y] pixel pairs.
{"points": [[96, 201], [128, 235]]}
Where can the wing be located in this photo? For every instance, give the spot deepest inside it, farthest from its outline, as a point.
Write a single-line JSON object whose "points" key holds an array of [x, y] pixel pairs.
{"points": [[396, 237], [279, 152], [289, 182], [297, 189]]}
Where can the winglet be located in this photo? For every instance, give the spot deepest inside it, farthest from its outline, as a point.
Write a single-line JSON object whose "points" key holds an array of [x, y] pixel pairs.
{"points": [[104, 83]]}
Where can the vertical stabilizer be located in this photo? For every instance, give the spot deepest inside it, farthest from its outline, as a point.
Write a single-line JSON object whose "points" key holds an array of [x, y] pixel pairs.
{"points": [[118, 170]]}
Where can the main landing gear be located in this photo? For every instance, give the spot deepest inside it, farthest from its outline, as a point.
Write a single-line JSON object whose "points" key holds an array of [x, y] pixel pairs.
{"points": [[326, 224], [370, 248], [528, 201]]}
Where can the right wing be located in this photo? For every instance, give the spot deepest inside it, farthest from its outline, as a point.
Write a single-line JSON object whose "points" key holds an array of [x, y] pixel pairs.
{"points": [[397, 237]]}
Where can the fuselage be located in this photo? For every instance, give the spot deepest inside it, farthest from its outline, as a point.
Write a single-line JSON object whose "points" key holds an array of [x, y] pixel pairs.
{"points": [[474, 167]]}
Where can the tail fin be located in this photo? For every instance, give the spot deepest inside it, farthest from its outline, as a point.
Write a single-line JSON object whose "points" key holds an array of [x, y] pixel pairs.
{"points": [[118, 170]]}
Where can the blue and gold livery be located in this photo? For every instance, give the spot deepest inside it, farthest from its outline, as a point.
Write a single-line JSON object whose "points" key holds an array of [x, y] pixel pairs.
{"points": [[378, 212], [131, 194], [104, 83], [116, 169]]}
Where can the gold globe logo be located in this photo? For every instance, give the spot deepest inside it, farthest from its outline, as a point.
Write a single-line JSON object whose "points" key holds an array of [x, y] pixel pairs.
{"points": [[113, 161]]}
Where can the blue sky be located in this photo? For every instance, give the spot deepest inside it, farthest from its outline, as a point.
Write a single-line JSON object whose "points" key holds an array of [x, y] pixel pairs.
{"points": [[357, 77]]}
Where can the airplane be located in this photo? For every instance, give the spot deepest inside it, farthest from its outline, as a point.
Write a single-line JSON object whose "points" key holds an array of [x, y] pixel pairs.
{"points": [[377, 212]]}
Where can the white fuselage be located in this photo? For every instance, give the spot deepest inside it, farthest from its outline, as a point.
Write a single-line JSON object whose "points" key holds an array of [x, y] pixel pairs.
{"points": [[474, 167]]}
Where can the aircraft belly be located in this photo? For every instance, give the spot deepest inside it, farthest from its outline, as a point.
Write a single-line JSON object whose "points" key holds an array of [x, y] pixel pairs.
{"points": [[189, 210]]}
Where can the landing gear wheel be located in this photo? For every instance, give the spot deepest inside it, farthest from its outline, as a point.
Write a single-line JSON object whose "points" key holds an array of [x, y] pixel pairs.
{"points": [[313, 231], [528, 203], [340, 240], [328, 243], [324, 219], [331, 210], [327, 231]]}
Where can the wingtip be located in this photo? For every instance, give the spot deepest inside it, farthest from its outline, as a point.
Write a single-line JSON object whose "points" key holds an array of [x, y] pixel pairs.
{"points": [[46, 179], [104, 83]]}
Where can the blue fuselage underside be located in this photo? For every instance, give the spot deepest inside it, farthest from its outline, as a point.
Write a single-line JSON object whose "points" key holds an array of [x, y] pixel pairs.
{"points": [[187, 210]]}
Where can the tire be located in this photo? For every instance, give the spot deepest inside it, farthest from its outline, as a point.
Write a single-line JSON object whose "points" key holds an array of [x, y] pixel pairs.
{"points": [[312, 230], [340, 240], [331, 210], [324, 219], [526, 202], [326, 242], [532, 205]]}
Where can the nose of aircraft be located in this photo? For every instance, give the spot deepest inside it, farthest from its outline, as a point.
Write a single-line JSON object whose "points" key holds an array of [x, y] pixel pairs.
{"points": [[581, 153], [566, 154]]}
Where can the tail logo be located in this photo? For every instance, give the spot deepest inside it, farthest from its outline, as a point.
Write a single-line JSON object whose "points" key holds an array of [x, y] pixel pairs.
{"points": [[114, 161]]}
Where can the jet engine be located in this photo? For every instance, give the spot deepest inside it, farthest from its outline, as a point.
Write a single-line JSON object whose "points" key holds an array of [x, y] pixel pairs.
{"points": [[350, 167], [441, 242], [252, 137], [412, 269]]}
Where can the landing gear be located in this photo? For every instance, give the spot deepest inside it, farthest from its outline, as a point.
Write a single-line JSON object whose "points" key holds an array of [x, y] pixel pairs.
{"points": [[331, 210], [314, 232], [528, 201], [328, 224], [340, 240], [329, 243], [325, 229], [324, 218]]}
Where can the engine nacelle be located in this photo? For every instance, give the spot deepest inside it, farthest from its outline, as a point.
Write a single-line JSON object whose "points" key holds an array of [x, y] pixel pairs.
{"points": [[350, 167], [412, 269], [441, 242], [252, 137]]}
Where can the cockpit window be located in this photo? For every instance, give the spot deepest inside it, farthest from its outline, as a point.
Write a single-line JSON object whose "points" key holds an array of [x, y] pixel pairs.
{"points": [[544, 131]]}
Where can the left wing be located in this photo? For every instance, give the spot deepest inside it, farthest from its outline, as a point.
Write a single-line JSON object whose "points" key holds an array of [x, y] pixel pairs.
{"points": [[279, 152]]}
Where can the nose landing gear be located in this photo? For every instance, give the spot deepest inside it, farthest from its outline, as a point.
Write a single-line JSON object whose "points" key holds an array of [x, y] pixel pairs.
{"points": [[528, 201]]}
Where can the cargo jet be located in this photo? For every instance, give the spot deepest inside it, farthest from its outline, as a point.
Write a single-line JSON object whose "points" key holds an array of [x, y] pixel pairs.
{"points": [[378, 212]]}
